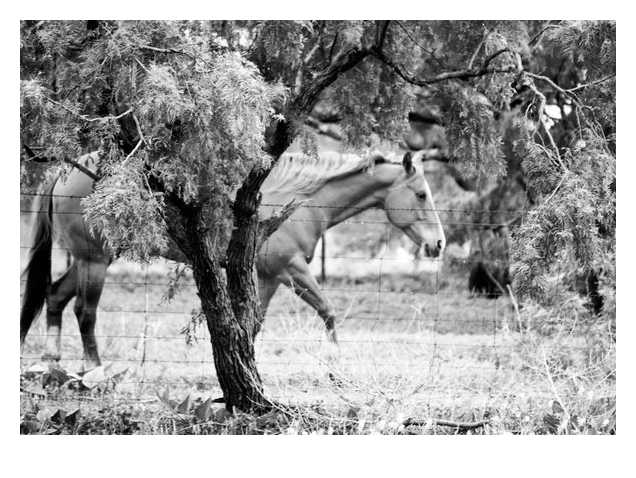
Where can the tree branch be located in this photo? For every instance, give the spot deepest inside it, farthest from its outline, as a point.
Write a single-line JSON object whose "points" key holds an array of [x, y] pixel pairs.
{"points": [[530, 84], [547, 80], [305, 101], [451, 75], [491, 57], [165, 50], [132, 153], [381, 38], [269, 226], [538, 35], [43, 159], [481, 43], [82, 168], [86, 118], [556, 188], [592, 83], [141, 134]]}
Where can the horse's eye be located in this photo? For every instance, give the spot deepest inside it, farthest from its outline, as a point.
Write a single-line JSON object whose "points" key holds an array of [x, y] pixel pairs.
{"points": [[421, 195]]}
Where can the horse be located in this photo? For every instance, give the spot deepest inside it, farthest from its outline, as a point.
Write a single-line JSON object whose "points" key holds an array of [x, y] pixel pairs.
{"points": [[334, 187]]}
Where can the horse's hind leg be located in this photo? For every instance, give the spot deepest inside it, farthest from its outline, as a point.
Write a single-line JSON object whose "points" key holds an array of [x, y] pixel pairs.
{"points": [[61, 292], [267, 286], [91, 275]]}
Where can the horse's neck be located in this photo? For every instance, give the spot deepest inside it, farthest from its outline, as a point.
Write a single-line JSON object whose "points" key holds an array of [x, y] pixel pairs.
{"points": [[342, 198]]}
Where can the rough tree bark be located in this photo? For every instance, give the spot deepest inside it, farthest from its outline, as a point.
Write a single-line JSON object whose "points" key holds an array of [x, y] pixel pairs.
{"points": [[229, 298], [230, 301], [229, 308]]}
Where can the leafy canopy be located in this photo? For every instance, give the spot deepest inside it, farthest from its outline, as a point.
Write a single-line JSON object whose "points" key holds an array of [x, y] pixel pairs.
{"points": [[197, 114], [192, 106]]}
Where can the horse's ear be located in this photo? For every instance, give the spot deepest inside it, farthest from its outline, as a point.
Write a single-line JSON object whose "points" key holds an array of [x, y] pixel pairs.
{"points": [[408, 163]]}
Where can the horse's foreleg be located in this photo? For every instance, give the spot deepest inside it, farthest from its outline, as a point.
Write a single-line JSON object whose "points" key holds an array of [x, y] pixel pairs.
{"points": [[61, 292], [304, 284], [90, 285]]}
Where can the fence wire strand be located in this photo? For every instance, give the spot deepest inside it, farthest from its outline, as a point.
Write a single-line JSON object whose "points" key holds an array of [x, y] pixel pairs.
{"points": [[427, 330]]}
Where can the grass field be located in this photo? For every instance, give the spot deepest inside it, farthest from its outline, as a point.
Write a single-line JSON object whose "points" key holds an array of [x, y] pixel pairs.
{"points": [[411, 346]]}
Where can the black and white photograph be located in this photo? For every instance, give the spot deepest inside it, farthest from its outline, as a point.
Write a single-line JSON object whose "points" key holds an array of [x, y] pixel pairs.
{"points": [[318, 227]]}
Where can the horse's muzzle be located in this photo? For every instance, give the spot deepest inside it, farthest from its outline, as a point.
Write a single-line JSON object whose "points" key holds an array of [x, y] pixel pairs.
{"points": [[434, 251]]}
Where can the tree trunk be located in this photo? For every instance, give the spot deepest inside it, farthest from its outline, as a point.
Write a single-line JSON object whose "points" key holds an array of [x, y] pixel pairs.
{"points": [[230, 323], [229, 299], [241, 254]]}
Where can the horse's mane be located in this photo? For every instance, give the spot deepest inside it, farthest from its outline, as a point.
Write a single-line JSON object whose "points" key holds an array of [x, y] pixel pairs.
{"points": [[302, 174]]}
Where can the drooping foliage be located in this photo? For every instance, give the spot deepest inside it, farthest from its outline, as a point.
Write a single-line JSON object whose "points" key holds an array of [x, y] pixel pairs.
{"points": [[188, 115], [571, 170], [190, 103]]}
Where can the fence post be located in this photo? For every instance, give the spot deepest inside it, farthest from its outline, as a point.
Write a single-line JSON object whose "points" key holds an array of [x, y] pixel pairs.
{"points": [[323, 271]]}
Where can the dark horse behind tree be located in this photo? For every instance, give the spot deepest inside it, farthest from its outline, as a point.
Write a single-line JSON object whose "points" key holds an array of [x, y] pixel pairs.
{"points": [[335, 187]]}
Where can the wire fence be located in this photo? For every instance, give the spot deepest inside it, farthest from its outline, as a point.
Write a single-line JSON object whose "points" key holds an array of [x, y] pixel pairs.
{"points": [[410, 331]]}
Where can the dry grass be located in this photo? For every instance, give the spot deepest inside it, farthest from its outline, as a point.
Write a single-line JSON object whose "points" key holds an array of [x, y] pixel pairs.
{"points": [[411, 346]]}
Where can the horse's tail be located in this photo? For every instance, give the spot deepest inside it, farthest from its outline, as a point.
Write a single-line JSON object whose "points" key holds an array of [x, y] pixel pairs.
{"points": [[37, 274]]}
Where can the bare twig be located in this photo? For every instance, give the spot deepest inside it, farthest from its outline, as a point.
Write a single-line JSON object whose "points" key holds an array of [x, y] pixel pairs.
{"points": [[557, 187], [519, 62], [515, 304], [481, 43], [141, 134], [591, 83], [530, 84], [141, 65], [86, 118], [301, 70], [553, 386], [165, 50], [554, 146], [538, 35], [446, 423], [132, 153], [408, 34], [566, 93]]}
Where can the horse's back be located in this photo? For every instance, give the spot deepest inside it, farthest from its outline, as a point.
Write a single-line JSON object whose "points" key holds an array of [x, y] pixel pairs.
{"points": [[296, 237], [68, 213]]}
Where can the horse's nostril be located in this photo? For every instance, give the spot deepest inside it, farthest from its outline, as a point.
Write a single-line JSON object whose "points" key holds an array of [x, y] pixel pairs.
{"points": [[440, 244]]}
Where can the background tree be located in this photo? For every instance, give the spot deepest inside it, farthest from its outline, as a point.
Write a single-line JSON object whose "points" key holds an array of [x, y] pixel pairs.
{"points": [[190, 116]]}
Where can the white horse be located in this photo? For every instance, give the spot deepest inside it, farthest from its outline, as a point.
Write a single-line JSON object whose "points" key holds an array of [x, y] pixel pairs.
{"points": [[335, 186]]}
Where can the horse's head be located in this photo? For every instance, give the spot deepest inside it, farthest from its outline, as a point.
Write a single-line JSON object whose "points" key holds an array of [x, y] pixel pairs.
{"points": [[409, 206]]}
